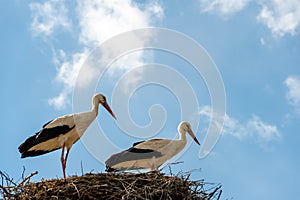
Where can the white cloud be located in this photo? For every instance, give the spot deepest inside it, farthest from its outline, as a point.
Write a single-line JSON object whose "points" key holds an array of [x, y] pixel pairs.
{"points": [[224, 7], [97, 22], [100, 20], [49, 15], [281, 16], [155, 9], [66, 75], [59, 102], [293, 94], [264, 131], [262, 41], [252, 128]]}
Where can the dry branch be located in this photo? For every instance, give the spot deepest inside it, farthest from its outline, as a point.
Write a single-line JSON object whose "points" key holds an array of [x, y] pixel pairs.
{"points": [[27, 178]]}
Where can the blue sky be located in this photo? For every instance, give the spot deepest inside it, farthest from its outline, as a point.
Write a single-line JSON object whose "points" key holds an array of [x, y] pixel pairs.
{"points": [[254, 44]]}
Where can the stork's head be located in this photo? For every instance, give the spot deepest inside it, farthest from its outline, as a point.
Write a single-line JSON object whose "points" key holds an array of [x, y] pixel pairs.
{"points": [[101, 99], [185, 127]]}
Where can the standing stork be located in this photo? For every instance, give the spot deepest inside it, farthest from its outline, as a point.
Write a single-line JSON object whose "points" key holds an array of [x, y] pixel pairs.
{"points": [[62, 132], [150, 154]]}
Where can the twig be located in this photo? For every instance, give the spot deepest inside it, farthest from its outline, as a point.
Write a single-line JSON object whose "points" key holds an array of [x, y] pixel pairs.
{"points": [[28, 177], [23, 172], [5, 190], [219, 195], [213, 193], [76, 190], [169, 166], [81, 166], [170, 170], [8, 180], [176, 163]]}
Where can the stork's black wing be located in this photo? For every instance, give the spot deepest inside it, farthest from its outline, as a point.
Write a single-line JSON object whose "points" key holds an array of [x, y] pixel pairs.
{"points": [[42, 136], [133, 153]]}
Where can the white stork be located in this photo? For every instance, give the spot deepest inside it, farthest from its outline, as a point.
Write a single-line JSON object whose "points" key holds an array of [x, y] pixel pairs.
{"points": [[150, 154], [62, 132]]}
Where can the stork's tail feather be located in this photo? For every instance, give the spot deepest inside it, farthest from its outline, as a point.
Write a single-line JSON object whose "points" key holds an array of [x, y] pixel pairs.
{"points": [[110, 169], [34, 153], [21, 147], [27, 144], [25, 151]]}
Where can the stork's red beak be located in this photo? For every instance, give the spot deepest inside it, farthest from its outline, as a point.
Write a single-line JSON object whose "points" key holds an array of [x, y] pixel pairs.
{"points": [[106, 106], [193, 136]]}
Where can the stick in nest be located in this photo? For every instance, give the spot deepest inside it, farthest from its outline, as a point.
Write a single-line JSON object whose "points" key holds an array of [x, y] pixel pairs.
{"points": [[5, 190], [27, 178]]}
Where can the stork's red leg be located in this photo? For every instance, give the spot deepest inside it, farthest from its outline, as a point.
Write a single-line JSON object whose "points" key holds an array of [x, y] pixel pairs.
{"points": [[66, 158], [62, 159], [153, 164]]}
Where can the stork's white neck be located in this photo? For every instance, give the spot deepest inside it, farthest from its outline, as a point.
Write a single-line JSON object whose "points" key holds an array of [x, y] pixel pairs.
{"points": [[182, 135], [95, 107]]}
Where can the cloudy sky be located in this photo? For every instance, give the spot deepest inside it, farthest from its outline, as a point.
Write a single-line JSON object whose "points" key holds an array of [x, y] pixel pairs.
{"points": [[255, 45]]}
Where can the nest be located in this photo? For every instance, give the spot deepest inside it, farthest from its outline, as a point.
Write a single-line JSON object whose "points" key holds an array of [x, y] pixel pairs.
{"points": [[110, 186]]}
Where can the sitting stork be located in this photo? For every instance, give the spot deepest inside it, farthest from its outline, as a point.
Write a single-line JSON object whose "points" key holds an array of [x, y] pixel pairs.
{"points": [[150, 154], [62, 132]]}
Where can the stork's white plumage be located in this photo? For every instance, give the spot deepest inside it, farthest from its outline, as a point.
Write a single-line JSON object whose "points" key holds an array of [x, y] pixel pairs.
{"points": [[62, 132], [150, 154]]}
